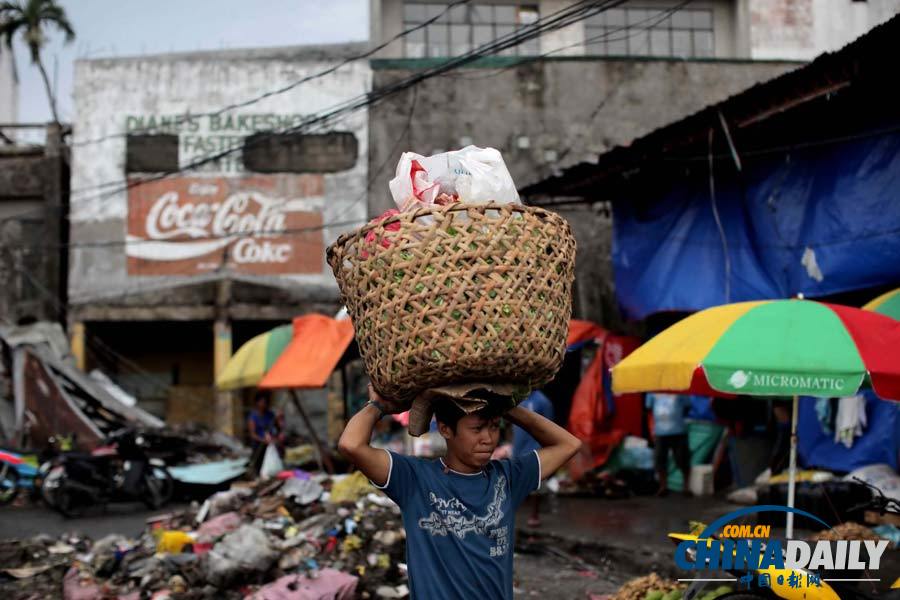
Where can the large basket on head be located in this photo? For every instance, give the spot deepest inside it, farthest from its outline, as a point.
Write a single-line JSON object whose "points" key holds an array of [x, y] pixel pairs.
{"points": [[459, 293]]}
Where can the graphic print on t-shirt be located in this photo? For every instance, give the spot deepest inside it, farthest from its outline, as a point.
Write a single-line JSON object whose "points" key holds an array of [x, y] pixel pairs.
{"points": [[452, 516]]}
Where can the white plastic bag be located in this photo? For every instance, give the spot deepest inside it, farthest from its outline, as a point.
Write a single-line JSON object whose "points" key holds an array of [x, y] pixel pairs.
{"points": [[472, 174], [482, 176], [271, 465]]}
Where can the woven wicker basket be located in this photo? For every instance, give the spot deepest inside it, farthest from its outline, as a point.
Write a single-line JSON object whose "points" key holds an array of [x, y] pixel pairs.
{"points": [[458, 293]]}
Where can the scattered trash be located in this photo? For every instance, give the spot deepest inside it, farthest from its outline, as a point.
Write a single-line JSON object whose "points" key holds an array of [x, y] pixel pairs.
{"points": [[173, 542], [329, 584], [219, 526], [351, 488], [401, 591], [26, 572], [243, 552], [303, 491]]}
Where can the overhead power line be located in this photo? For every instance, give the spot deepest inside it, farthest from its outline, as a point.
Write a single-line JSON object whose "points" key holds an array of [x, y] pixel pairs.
{"points": [[562, 18], [294, 84]]}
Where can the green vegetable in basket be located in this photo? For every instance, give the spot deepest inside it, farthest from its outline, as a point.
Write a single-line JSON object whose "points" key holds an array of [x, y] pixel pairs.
{"points": [[456, 314], [507, 310], [654, 595], [420, 287], [724, 589], [673, 595]]}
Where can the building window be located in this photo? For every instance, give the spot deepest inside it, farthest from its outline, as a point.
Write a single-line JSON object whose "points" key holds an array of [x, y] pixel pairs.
{"points": [[635, 31], [465, 27]]}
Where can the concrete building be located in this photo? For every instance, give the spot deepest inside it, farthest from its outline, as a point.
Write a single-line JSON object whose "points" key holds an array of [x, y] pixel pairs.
{"points": [[757, 29], [9, 87], [577, 92], [191, 221], [34, 181]]}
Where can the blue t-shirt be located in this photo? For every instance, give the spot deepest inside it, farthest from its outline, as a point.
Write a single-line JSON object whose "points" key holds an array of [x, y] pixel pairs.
{"points": [[262, 424], [459, 527], [668, 413], [523, 442]]}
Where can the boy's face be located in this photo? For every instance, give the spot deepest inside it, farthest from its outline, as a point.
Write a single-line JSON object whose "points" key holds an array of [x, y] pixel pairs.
{"points": [[474, 440]]}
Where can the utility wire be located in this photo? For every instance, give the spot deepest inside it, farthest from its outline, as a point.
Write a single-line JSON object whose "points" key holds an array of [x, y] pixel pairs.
{"points": [[294, 84], [559, 19]]}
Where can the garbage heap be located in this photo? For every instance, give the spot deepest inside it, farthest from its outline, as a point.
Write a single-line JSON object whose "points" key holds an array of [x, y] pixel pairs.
{"points": [[305, 537]]}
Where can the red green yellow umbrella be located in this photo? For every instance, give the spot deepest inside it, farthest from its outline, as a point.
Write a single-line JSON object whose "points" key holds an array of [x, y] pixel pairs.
{"points": [[254, 359], [770, 348], [886, 304]]}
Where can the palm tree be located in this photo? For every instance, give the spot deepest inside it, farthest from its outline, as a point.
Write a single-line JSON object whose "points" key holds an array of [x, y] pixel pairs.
{"points": [[31, 17]]}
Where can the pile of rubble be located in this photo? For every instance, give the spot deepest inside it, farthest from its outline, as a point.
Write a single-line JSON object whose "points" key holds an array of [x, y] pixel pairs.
{"points": [[304, 537]]}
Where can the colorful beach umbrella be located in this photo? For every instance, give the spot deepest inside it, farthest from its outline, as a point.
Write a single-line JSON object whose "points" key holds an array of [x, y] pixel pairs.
{"points": [[886, 304], [317, 345], [254, 359], [770, 348]]}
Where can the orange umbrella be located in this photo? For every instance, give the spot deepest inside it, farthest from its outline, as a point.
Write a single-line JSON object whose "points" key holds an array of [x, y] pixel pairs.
{"points": [[312, 354]]}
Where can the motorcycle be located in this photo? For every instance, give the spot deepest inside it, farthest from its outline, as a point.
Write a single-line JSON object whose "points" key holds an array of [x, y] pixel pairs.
{"points": [[779, 578], [17, 473], [120, 470]]}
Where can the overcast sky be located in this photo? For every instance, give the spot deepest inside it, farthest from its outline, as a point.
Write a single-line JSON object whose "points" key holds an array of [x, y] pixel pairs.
{"points": [[106, 28]]}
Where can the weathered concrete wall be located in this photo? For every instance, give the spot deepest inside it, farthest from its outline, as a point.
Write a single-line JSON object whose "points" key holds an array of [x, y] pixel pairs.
{"points": [[183, 94], [803, 29], [548, 115], [9, 87], [33, 183]]}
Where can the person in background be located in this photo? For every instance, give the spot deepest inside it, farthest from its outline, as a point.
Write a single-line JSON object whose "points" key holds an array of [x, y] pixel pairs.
{"points": [[264, 427], [670, 433], [523, 443]]}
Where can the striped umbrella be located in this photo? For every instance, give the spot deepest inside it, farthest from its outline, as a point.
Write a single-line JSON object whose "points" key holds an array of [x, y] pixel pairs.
{"points": [[254, 359], [770, 348], [886, 304]]}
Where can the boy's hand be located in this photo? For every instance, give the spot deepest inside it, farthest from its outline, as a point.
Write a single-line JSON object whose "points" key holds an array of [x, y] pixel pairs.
{"points": [[388, 407]]}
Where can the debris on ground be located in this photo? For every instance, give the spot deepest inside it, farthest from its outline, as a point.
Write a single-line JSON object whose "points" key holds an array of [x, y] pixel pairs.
{"points": [[319, 537]]}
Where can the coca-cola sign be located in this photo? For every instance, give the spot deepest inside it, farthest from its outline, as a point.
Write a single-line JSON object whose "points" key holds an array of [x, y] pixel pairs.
{"points": [[261, 225]]}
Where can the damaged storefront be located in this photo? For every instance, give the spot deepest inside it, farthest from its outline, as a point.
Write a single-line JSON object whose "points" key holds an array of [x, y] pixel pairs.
{"points": [[199, 222]]}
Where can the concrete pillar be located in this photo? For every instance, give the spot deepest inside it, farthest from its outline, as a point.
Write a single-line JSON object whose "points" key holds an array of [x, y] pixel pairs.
{"points": [[224, 405], [76, 341]]}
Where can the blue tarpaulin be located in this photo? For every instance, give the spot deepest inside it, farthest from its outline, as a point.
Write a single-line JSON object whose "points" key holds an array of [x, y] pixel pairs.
{"points": [[819, 221], [880, 443]]}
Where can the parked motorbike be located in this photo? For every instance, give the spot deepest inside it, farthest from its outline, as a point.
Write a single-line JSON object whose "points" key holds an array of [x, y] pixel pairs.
{"points": [[831, 590], [120, 470], [17, 473]]}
